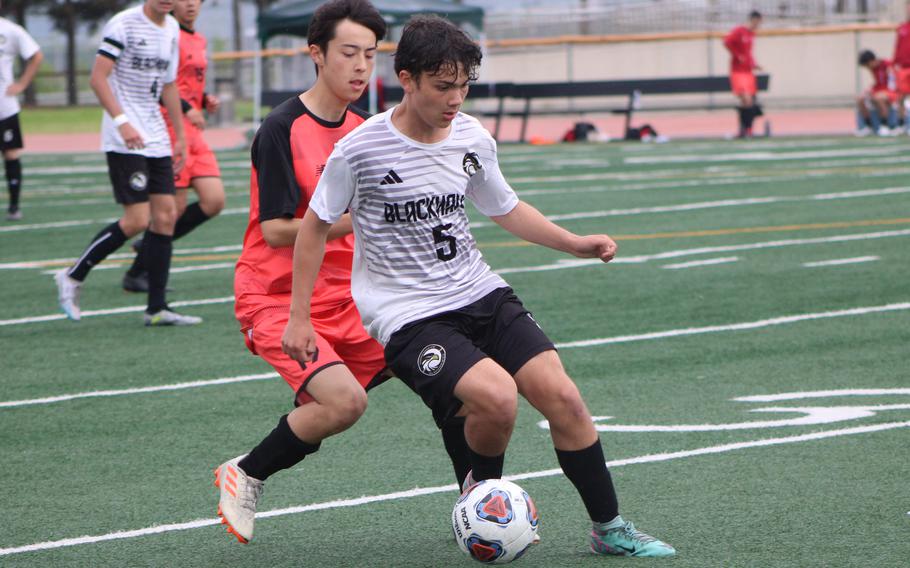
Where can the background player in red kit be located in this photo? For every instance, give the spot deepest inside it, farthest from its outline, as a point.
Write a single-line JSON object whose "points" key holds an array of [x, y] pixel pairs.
{"points": [[742, 72], [901, 62], [288, 155], [201, 170], [882, 95]]}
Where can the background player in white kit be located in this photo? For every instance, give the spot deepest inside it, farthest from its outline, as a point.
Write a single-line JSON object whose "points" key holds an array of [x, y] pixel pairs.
{"points": [[136, 66], [453, 329], [14, 42]]}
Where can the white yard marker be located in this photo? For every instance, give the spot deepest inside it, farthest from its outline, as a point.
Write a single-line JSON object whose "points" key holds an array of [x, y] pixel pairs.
{"points": [[695, 263], [841, 261]]}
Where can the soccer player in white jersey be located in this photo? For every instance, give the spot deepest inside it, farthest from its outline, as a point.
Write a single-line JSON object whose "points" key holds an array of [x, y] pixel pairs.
{"points": [[14, 42], [451, 327], [136, 66]]}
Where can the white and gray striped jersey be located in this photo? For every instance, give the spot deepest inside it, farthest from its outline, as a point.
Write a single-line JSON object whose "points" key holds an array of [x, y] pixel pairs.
{"points": [[14, 42], [146, 57], [414, 255]]}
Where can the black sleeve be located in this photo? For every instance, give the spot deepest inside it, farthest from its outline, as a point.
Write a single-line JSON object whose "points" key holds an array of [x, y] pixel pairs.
{"points": [[279, 193], [185, 106]]}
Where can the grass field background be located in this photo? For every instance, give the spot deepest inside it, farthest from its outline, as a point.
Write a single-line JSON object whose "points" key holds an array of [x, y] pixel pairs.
{"points": [[745, 269]]}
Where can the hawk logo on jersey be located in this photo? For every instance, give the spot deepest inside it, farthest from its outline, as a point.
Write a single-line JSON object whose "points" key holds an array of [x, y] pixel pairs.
{"points": [[2, 39], [139, 181], [471, 164], [431, 359]]}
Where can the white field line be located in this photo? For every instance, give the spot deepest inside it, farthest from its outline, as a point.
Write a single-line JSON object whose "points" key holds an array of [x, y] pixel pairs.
{"points": [[771, 322], [695, 263], [564, 217], [421, 491], [559, 265], [28, 264], [80, 222], [114, 311], [139, 390], [715, 204], [572, 344], [563, 264], [194, 268], [820, 394], [841, 261], [102, 168], [764, 156]]}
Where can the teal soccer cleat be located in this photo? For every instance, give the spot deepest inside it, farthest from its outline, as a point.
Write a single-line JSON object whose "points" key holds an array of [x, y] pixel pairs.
{"points": [[621, 538]]}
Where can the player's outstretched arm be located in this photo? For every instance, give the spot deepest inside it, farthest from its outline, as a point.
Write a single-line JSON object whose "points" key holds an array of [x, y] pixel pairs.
{"points": [[282, 232], [25, 79], [101, 70], [526, 222], [299, 339]]}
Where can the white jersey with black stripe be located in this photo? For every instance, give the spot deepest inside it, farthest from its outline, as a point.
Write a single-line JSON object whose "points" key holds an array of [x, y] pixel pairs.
{"points": [[14, 42], [414, 255], [146, 57]]}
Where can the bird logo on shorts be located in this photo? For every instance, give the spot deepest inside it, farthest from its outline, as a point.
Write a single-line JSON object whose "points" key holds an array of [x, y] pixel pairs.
{"points": [[471, 164], [139, 181], [8, 136], [431, 359]]}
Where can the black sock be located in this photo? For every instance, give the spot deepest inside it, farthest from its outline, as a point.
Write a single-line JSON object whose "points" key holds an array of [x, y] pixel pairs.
{"points": [[588, 472], [13, 182], [138, 266], [192, 217], [867, 120], [457, 447], [751, 114], [757, 110], [157, 250], [486, 467], [279, 450], [742, 119], [104, 243]]}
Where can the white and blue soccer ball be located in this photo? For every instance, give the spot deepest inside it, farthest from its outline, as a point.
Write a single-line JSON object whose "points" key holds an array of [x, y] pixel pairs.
{"points": [[495, 521]]}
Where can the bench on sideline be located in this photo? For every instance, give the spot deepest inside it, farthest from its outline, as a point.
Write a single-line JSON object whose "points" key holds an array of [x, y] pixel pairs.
{"points": [[632, 89]]}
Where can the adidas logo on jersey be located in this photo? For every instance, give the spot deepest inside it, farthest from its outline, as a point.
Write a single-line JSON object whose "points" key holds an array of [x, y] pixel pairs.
{"points": [[391, 178]]}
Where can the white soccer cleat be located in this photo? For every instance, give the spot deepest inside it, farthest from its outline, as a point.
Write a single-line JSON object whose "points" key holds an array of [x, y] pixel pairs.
{"points": [[68, 291], [14, 215], [863, 132], [239, 495], [169, 317], [884, 131]]}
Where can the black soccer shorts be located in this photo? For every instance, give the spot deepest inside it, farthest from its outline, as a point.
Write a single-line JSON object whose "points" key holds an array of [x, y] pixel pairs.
{"points": [[10, 133], [134, 177], [432, 354]]}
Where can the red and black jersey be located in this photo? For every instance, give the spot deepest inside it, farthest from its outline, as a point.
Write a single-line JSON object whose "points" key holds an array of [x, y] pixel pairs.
{"points": [[902, 46], [289, 153], [193, 64], [739, 43]]}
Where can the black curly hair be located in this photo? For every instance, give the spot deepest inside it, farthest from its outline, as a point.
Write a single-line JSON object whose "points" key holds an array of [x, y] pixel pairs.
{"points": [[430, 44]]}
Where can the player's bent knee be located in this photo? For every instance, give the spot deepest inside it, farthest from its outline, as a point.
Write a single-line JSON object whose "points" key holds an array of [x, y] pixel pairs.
{"points": [[212, 205], [348, 407]]}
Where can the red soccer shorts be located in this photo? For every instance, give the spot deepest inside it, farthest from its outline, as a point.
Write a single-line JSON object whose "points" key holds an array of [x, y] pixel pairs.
{"points": [[742, 83], [892, 95], [340, 339], [903, 80], [200, 160]]}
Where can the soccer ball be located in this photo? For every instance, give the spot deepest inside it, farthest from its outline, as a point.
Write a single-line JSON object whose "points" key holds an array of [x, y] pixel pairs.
{"points": [[494, 521]]}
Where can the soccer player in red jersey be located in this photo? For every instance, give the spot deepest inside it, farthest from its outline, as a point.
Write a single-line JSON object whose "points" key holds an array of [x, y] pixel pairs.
{"points": [[742, 72], [201, 170], [288, 154], [901, 62], [882, 95]]}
